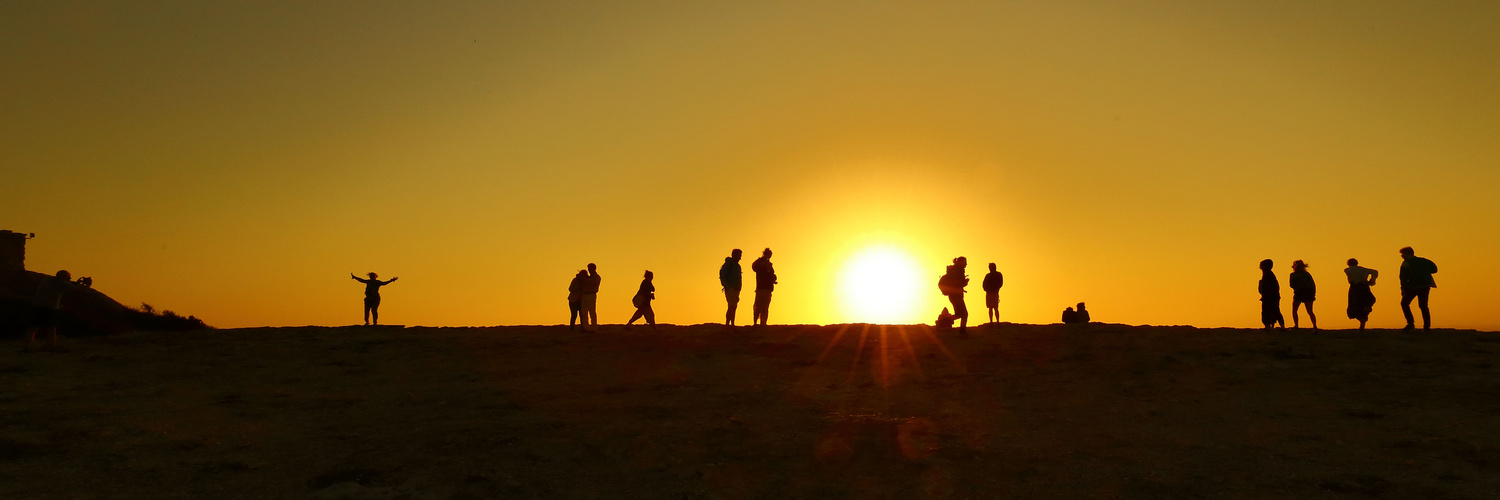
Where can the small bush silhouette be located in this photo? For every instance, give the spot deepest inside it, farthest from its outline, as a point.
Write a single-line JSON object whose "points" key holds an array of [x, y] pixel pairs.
{"points": [[146, 318]]}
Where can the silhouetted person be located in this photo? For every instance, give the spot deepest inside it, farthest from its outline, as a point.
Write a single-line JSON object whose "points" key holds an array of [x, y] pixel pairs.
{"points": [[642, 302], [731, 278], [46, 306], [945, 319], [589, 298], [765, 282], [575, 298], [992, 283], [952, 284], [1270, 297], [1304, 291], [1069, 316], [1416, 283], [372, 296], [1082, 314], [1361, 299]]}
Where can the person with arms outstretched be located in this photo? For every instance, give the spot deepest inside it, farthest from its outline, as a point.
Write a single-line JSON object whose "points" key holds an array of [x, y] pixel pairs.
{"points": [[992, 283], [575, 298], [1416, 283], [590, 298], [1304, 291], [731, 278], [642, 302], [46, 308], [1361, 299], [952, 285], [1270, 297], [372, 296], [765, 282]]}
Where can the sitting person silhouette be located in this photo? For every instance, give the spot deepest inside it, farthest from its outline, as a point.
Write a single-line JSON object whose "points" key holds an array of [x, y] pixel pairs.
{"points": [[1069, 316], [372, 296], [945, 319], [1082, 315]]}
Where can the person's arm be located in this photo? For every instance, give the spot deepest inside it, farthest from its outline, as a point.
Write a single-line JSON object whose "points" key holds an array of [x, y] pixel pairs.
{"points": [[1370, 278], [357, 278], [389, 281]]}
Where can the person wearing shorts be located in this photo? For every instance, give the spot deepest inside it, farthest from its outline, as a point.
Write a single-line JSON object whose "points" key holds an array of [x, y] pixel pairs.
{"points": [[765, 283], [993, 281], [731, 278]]}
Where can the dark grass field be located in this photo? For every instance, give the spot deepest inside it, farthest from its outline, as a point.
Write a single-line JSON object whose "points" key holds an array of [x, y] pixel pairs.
{"points": [[1013, 411]]}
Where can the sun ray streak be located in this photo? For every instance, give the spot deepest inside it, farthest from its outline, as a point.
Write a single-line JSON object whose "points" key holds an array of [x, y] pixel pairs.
{"points": [[885, 360], [858, 351], [960, 364], [905, 339], [835, 341]]}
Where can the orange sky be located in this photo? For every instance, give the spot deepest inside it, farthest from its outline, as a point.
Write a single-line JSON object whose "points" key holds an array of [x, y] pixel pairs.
{"points": [[237, 162]]}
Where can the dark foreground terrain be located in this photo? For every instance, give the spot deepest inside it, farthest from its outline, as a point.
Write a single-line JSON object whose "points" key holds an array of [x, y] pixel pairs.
{"points": [[784, 412]]}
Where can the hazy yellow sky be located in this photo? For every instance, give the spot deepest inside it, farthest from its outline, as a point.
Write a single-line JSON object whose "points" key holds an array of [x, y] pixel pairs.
{"points": [[238, 161]]}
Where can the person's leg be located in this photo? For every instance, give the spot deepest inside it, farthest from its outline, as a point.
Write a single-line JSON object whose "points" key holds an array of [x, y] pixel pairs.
{"points": [[367, 312], [765, 313], [1407, 295], [1311, 316], [572, 313], [375, 313], [650, 316], [733, 298], [1422, 304], [590, 305], [30, 336], [639, 312], [52, 338], [1296, 322]]}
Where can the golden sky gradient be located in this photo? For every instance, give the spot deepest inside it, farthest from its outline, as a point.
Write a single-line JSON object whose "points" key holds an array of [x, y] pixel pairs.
{"points": [[237, 162]]}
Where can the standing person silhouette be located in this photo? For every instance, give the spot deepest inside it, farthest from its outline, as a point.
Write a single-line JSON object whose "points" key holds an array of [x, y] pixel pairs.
{"points": [[575, 298], [589, 298], [46, 306], [765, 282], [1416, 283], [1361, 299], [1304, 291], [952, 284], [1270, 297], [642, 302], [731, 278], [992, 283], [372, 295]]}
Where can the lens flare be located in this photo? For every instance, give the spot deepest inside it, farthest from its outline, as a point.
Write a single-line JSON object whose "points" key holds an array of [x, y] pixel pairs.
{"points": [[880, 285]]}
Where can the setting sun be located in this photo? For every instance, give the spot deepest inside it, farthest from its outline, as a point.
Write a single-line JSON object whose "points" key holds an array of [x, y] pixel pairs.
{"points": [[880, 285]]}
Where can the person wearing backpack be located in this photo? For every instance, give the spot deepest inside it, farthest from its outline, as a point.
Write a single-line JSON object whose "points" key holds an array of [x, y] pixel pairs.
{"points": [[952, 284], [731, 278]]}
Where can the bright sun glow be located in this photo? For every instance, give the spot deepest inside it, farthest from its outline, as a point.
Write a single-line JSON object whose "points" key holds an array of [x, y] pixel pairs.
{"points": [[880, 285]]}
